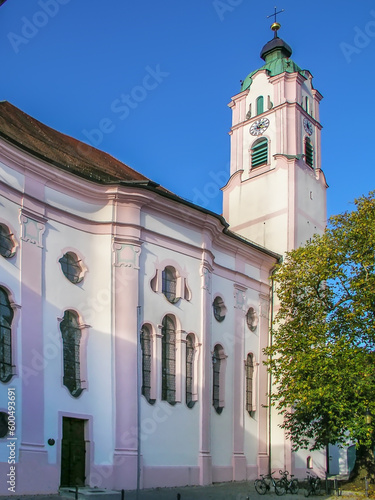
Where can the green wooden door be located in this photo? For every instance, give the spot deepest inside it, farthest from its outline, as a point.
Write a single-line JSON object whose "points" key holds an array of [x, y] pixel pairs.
{"points": [[73, 452]]}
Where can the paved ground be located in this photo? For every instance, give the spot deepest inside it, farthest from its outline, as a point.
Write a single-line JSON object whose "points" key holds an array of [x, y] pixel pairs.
{"points": [[223, 491]]}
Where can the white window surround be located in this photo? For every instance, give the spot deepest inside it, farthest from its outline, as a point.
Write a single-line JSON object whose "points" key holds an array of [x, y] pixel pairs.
{"points": [[254, 383], [178, 354], [220, 353], [252, 318], [84, 329], [182, 289], [80, 261], [147, 328], [196, 351], [16, 316], [9, 234], [219, 308]]}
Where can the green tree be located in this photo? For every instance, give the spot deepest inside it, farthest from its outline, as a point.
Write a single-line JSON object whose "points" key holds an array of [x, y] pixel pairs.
{"points": [[322, 354]]}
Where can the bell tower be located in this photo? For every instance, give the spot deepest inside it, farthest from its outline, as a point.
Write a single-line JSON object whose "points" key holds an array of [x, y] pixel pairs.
{"points": [[276, 194]]}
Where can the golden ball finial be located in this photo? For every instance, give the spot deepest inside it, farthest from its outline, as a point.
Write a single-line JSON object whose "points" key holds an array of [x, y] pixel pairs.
{"points": [[275, 26]]}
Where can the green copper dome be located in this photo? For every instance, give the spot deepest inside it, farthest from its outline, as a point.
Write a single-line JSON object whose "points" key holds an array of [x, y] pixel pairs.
{"points": [[276, 54]]}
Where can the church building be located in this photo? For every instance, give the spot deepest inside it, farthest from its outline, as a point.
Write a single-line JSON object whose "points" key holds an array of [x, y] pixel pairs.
{"points": [[133, 322]]}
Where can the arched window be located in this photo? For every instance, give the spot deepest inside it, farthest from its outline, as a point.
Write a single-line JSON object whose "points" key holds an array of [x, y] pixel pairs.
{"points": [[219, 309], [6, 318], [309, 153], [146, 363], [249, 367], [71, 267], [260, 105], [168, 360], [7, 246], [259, 153], [190, 370], [169, 282], [71, 335], [218, 379], [307, 104]]}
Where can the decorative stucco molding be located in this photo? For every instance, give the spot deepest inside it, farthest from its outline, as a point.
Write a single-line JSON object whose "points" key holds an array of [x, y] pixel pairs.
{"points": [[206, 278], [32, 229], [126, 255], [239, 297]]}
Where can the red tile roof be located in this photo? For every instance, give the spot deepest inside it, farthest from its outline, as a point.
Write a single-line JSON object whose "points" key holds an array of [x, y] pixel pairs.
{"points": [[61, 150]]}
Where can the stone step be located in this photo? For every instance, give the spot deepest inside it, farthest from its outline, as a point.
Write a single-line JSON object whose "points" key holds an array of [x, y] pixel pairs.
{"points": [[86, 493]]}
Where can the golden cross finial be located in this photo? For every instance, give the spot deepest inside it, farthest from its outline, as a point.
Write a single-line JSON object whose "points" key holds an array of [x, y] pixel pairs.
{"points": [[275, 26]]}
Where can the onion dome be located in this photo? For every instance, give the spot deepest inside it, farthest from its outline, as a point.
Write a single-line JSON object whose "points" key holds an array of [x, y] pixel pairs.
{"points": [[276, 54]]}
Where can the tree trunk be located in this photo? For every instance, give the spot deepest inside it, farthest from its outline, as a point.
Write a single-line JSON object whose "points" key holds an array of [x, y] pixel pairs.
{"points": [[364, 465]]}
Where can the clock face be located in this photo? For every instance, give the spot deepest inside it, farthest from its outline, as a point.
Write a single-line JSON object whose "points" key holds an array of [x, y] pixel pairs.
{"points": [[260, 126], [308, 126]]}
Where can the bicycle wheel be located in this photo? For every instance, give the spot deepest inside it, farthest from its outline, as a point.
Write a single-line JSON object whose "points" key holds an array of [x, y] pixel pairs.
{"points": [[294, 486], [260, 486], [280, 488], [317, 486], [307, 490]]}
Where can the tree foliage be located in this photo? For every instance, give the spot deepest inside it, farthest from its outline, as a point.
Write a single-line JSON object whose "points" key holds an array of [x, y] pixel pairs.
{"points": [[322, 354]]}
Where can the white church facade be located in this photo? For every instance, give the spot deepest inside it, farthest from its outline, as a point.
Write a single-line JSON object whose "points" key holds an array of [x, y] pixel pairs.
{"points": [[133, 322]]}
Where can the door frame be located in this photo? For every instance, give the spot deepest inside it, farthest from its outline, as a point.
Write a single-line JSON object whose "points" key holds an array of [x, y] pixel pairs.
{"points": [[87, 431]]}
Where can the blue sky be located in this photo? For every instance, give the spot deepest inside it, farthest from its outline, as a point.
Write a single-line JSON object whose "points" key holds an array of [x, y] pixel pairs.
{"points": [[73, 64]]}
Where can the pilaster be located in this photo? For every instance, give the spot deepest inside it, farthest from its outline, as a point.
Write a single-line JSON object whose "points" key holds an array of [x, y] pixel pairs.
{"points": [[205, 459], [238, 457], [126, 344], [263, 380], [32, 447]]}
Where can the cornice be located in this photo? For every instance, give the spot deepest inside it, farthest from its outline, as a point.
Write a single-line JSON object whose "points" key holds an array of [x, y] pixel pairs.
{"points": [[273, 110]]}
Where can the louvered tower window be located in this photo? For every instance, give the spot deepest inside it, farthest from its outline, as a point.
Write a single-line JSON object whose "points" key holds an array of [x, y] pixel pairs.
{"points": [[249, 366], [6, 318], [189, 370], [259, 153], [309, 153], [168, 361], [146, 363], [71, 334], [260, 105]]}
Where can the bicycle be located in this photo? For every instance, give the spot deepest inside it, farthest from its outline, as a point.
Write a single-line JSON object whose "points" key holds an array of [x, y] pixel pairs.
{"points": [[267, 480], [291, 484], [314, 485]]}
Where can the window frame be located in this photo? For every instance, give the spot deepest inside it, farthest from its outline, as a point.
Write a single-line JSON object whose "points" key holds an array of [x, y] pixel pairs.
{"points": [[70, 260], [249, 376], [309, 152], [168, 360], [190, 371], [260, 105], [218, 378], [169, 284], [259, 153], [5, 424], [146, 338], [73, 340], [219, 309], [161, 282], [252, 319], [6, 340], [7, 250]]}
